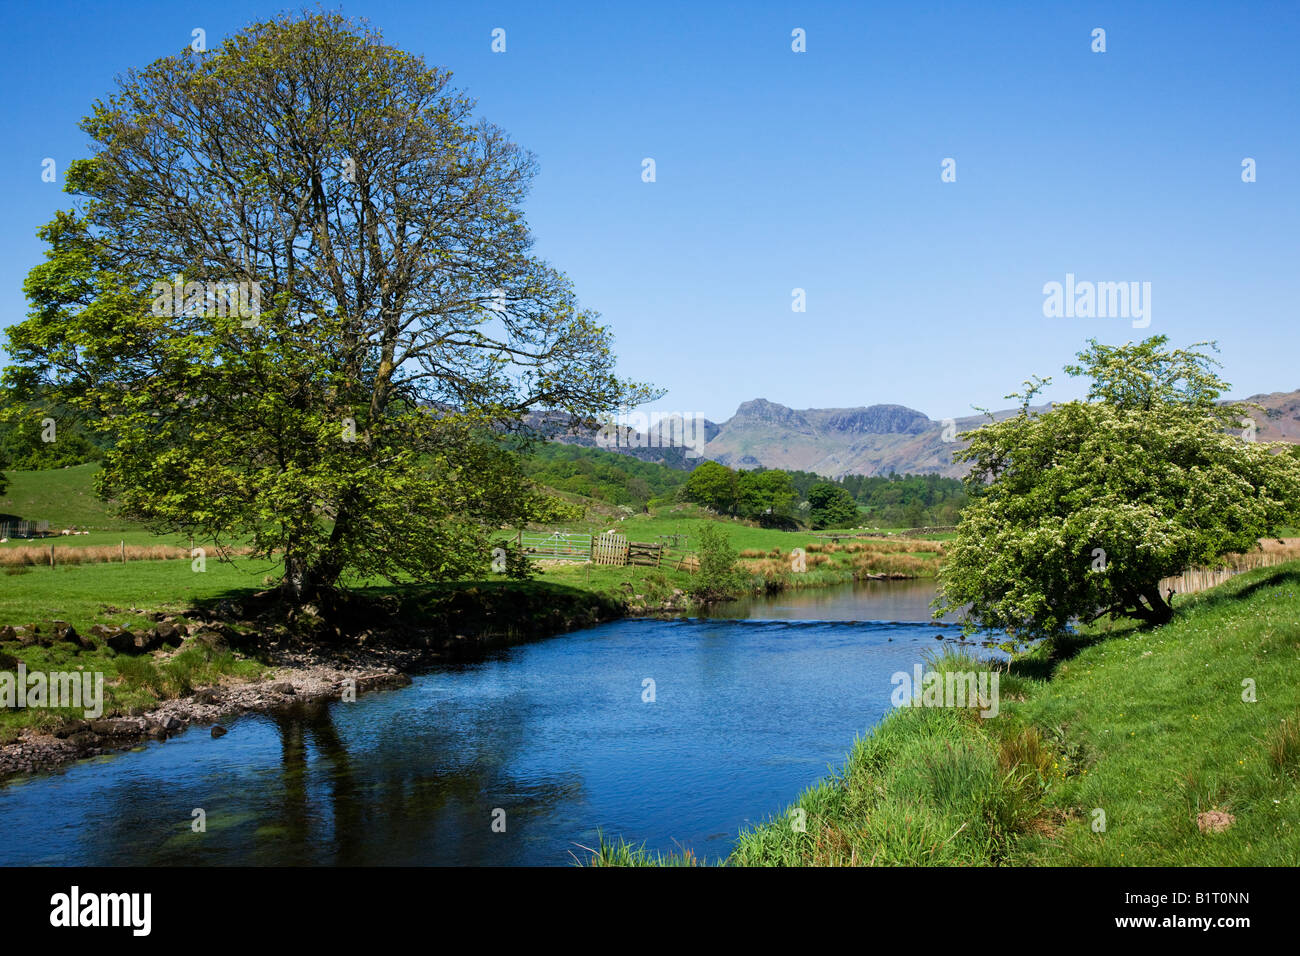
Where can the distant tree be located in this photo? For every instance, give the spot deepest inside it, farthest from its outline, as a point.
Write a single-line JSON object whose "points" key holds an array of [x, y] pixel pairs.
{"points": [[298, 294], [766, 496], [713, 485], [640, 491], [831, 506], [34, 443], [1084, 508], [37, 433]]}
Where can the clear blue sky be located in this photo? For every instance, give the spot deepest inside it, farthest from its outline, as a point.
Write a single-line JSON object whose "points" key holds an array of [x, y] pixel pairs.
{"points": [[821, 170]]}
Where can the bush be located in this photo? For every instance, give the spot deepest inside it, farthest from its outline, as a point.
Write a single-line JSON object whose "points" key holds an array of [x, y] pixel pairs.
{"points": [[718, 579]]}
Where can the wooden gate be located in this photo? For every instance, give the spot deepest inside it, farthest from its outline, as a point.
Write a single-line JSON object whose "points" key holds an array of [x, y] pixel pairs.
{"points": [[650, 553], [556, 546], [610, 548]]}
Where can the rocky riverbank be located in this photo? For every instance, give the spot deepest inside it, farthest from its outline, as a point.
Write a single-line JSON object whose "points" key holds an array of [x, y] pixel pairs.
{"points": [[308, 656], [74, 739]]}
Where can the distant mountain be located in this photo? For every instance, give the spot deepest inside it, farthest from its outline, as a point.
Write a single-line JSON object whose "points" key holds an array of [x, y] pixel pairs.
{"points": [[867, 440]]}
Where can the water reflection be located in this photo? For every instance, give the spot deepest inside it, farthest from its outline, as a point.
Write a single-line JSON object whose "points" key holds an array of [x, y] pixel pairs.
{"points": [[907, 600]]}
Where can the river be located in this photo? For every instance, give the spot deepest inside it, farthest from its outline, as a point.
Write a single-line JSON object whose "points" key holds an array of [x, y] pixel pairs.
{"points": [[521, 757]]}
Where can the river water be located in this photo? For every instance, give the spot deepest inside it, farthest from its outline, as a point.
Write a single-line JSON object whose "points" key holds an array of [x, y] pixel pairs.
{"points": [[557, 740]]}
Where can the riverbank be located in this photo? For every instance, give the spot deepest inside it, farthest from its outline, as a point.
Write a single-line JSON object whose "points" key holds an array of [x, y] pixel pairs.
{"points": [[165, 672], [1175, 746]]}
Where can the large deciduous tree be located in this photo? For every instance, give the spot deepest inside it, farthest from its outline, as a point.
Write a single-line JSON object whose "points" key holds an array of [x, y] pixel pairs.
{"points": [[1081, 510], [832, 506], [298, 295]]}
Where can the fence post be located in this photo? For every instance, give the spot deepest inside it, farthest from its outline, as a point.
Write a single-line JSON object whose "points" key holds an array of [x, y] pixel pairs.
{"points": [[123, 546], [51, 555]]}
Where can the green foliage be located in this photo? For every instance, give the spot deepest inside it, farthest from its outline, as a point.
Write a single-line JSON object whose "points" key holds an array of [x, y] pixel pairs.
{"points": [[762, 495], [718, 577], [344, 414], [1084, 508], [831, 506], [603, 475], [893, 500], [766, 496], [24, 449], [713, 485], [37, 432]]}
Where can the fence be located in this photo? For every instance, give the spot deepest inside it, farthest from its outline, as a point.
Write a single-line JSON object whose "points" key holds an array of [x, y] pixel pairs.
{"points": [[645, 553], [24, 529], [559, 546], [1194, 580], [610, 548]]}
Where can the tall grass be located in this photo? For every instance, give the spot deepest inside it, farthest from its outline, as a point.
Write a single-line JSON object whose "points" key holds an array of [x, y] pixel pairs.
{"points": [[929, 786], [39, 555]]}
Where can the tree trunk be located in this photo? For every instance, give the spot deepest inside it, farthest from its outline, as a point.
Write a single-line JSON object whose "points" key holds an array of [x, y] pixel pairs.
{"points": [[1161, 612], [298, 585]]}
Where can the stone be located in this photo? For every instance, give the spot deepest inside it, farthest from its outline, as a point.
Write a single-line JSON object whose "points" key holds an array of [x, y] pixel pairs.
{"points": [[1214, 821], [212, 640], [218, 730], [119, 639], [169, 634]]}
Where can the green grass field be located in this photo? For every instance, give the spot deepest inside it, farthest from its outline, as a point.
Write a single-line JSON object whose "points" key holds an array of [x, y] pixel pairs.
{"points": [[64, 497], [79, 594]]}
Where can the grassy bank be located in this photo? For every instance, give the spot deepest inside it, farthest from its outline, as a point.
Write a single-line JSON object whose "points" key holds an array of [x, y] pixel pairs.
{"points": [[1123, 747]]}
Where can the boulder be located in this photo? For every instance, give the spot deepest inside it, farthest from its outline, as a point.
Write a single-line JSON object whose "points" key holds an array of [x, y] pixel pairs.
{"points": [[66, 632], [122, 641], [169, 634], [212, 640]]}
